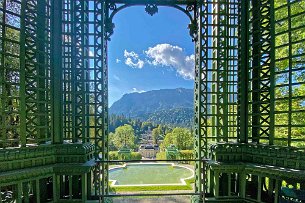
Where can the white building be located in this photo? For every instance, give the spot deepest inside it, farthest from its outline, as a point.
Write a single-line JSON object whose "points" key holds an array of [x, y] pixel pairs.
{"points": [[148, 151]]}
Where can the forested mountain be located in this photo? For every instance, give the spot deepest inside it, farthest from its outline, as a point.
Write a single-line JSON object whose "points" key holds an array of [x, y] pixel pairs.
{"points": [[182, 117], [174, 107]]}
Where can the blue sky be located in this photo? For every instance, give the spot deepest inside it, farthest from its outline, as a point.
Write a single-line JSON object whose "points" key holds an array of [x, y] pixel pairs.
{"points": [[149, 52]]}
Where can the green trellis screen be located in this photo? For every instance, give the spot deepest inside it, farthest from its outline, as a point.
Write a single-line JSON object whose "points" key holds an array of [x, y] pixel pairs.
{"points": [[249, 74]]}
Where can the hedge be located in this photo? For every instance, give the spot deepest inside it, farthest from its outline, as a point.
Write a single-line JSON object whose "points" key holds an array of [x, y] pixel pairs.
{"points": [[183, 154], [114, 155]]}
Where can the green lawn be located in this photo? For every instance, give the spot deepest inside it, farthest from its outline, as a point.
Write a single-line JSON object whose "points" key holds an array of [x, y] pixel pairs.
{"points": [[188, 186]]}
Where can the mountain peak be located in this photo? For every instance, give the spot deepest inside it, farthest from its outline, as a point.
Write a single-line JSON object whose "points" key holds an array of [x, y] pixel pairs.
{"points": [[138, 105]]}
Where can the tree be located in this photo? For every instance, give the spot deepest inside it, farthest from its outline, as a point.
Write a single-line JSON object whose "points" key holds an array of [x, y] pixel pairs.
{"points": [[180, 137], [146, 125], [156, 133], [123, 136]]}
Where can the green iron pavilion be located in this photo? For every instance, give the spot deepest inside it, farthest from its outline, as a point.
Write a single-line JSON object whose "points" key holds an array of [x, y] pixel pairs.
{"points": [[249, 99]]}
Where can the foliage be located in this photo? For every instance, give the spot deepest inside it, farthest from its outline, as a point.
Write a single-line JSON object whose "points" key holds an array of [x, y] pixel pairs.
{"points": [[157, 133], [147, 125], [140, 127], [186, 154], [10, 86], [136, 156], [119, 120], [161, 156], [114, 155], [282, 40], [182, 138], [176, 117], [123, 136], [290, 56], [183, 154]]}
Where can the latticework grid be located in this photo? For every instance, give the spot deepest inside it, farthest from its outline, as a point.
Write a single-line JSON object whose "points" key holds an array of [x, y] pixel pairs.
{"points": [[25, 73]]}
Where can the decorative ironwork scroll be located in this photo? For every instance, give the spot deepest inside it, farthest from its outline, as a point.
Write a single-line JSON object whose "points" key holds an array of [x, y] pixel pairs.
{"points": [[152, 9]]}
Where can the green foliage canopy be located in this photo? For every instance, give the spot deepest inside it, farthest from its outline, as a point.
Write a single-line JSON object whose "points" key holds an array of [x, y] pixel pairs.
{"points": [[156, 133], [182, 138], [123, 136]]}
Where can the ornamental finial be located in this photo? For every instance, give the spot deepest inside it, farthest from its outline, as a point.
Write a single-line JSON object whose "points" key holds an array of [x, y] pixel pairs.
{"points": [[151, 9]]}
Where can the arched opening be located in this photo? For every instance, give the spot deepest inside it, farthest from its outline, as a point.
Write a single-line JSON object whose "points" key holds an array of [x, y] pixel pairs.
{"points": [[249, 101], [151, 58]]}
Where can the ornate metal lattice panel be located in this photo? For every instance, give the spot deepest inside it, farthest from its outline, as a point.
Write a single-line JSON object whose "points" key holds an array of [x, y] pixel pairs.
{"points": [[225, 66], [76, 71], [216, 88], [200, 95], [10, 107], [25, 76], [102, 97], [37, 71], [85, 89], [261, 75], [67, 70], [216, 79]]}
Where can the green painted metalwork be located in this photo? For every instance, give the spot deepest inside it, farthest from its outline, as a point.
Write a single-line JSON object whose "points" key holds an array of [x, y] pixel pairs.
{"points": [[37, 69], [289, 63], [249, 98], [56, 72], [200, 142], [262, 105], [9, 77], [243, 69]]}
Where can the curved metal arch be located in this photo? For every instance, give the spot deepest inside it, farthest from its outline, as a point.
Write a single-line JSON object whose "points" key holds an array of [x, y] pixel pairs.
{"points": [[187, 11], [189, 8]]}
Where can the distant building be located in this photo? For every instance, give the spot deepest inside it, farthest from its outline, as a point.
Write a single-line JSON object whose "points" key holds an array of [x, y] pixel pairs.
{"points": [[149, 151], [147, 138]]}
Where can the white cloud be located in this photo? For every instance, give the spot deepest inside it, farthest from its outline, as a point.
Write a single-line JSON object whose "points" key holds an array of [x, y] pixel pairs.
{"points": [[136, 90], [116, 77], [132, 60], [91, 53], [172, 56], [118, 61]]}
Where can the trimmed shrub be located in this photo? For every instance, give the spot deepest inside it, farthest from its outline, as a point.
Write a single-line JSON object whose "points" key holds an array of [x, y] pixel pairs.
{"points": [[161, 155], [136, 156], [113, 155], [186, 154]]}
